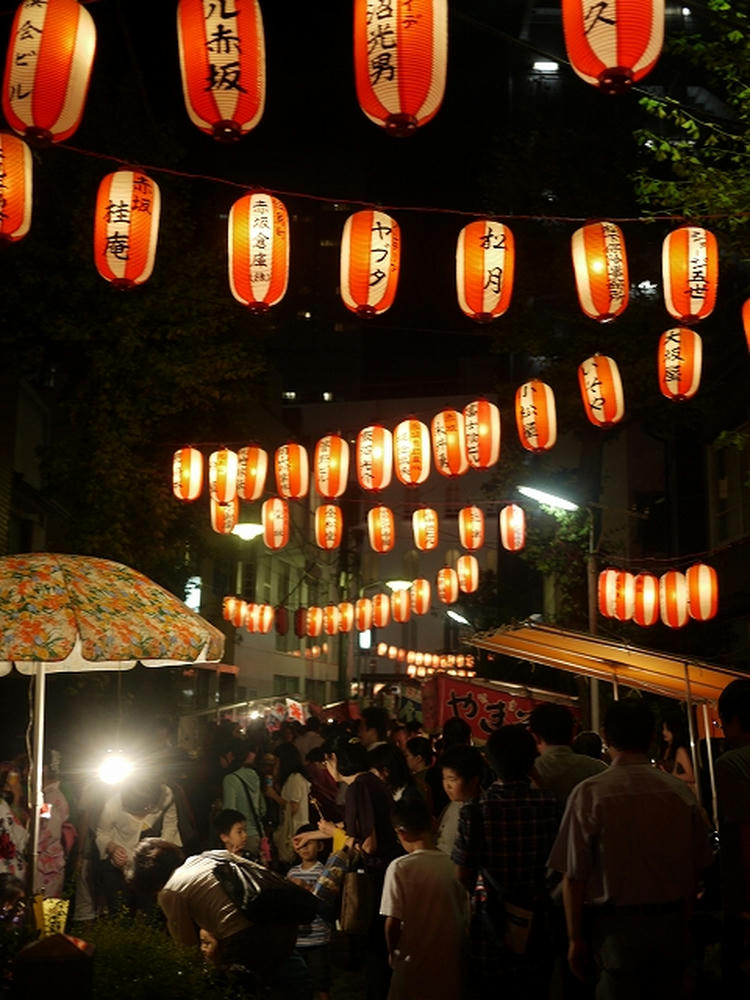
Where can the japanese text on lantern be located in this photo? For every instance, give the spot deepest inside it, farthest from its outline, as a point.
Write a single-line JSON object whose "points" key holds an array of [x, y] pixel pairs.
{"points": [[601, 12], [117, 244], [528, 410], [697, 284], [331, 526], [471, 422], [673, 357], [223, 44], [593, 385], [382, 253], [492, 240], [382, 33], [615, 261], [3, 185], [29, 35], [365, 457], [260, 236]]}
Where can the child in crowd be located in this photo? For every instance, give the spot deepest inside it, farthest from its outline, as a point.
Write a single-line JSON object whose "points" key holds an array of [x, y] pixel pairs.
{"points": [[230, 828], [426, 910], [462, 768], [313, 940]]}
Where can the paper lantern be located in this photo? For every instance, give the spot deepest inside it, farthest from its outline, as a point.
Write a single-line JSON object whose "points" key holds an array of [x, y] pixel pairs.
{"points": [[281, 620], [606, 592], [187, 473], [426, 529], [265, 618], [222, 475], [690, 273], [300, 622], [346, 616], [485, 261], [374, 458], [601, 390], [258, 243], [251, 617], [624, 596], [411, 445], [449, 443], [370, 260], [252, 469], [224, 516], [16, 179], [381, 610], [328, 526], [703, 592], [646, 606], [513, 527], [238, 613], [482, 433], [314, 624], [363, 614], [381, 528], [392, 652], [330, 619], [275, 520], [613, 44], [536, 416], [600, 266], [292, 471], [746, 321], [401, 605], [400, 61], [447, 585], [48, 68], [467, 569], [673, 600], [471, 527], [680, 358], [223, 65], [419, 596], [331, 466], [126, 227]]}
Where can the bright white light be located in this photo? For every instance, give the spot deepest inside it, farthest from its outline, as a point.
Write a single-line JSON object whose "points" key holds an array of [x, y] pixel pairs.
{"points": [[398, 584], [686, 12], [365, 639], [193, 588], [289, 394], [327, 397], [649, 288], [247, 531], [114, 769], [544, 66], [255, 715], [457, 617], [548, 499]]}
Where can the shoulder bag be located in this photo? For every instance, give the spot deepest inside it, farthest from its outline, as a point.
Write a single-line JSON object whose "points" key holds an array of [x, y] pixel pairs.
{"points": [[264, 848]]}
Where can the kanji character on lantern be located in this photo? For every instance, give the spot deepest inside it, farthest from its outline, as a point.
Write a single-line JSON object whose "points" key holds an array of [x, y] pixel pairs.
{"points": [[252, 469], [331, 466], [513, 527], [536, 416], [690, 273], [471, 527], [126, 227], [601, 390], [600, 265], [374, 458], [412, 452], [482, 433], [425, 526], [187, 473], [292, 471], [16, 179], [370, 261], [485, 262], [680, 359], [381, 528], [449, 444], [258, 244], [447, 585]]}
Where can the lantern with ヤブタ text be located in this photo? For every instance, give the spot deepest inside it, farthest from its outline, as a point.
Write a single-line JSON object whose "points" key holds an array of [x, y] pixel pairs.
{"points": [[381, 610], [746, 321], [258, 245], [690, 273], [223, 65], [314, 624], [448, 443], [370, 262], [606, 591], [425, 527], [612, 45], [467, 568], [482, 433], [447, 585], [363, 614], [292, 471], [222, 475], [536, 416], [673, 599], [252, 469], [16, 186], [331, 465], [126, 227], [331, 619], [275, 521], [48, 68], [381, 528], [187, 473], [419, 595], [374, 457], [485, 261], [601, 390], [646, 602], [703, 592], [411, 447], [328, 526], [513, 527], [600, 266], [401, 605], [346, 616], [680, 358], [400, 61], [224, 516], [471, 527]]}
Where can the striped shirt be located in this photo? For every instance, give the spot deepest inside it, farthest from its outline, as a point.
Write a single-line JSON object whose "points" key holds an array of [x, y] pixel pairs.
{"points": [[318, 932]]}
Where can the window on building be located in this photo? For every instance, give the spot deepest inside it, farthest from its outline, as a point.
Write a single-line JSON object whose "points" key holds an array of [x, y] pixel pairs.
{"points": [[285, 684], [315, 691]]}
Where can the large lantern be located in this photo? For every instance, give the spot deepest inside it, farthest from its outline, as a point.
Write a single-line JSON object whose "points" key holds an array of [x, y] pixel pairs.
{"points": [[374, 458], [258, 243], [363, 614], [275, 521], [449, 443], [419, 596], [15, 188], [680, 358], [126, 227], [536, 416], [601, 390], [222, 475], [224, 516], [425, 526], [223, 64], [328, 526], [703, 592], [370, 260], [400, 61], [381, 528], [606, 592], [513, 527], [48, 67], [292, 471], [482, 432], [673, 600], [331, 619], [314, 624], [252, 468], [471, 527], [485, 260], [690, 273], [612, 45], [447, 585], [467, 569], [411, 445], [187, 473], [601, 270], [346, 616], [331, 466], [381, 610], [401, 605], [646, 606]]}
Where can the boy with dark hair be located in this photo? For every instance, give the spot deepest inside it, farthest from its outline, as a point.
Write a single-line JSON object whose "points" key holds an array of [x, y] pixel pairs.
{"points": [[462, 768], [313, 940], [231, 831]]}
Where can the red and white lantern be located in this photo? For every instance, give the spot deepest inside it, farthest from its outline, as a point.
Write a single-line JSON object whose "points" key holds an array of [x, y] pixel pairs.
{"points": [[363, 614], [222, 475], [690, 273], [346, 616], [449, 443], [381, 610], [513, 527], [331, 619], [331, 466], [292, 471], [224, 516], [314, 624], [471, 527], [411, 441], [703, 592], [252, 469], [237, 612], [187, 473], [126, 227], [447, 585], [381, 528], [374, 458], [680, 359], [624, 596], [401, 605], [251, 617], [646, 607], [536, 416], [258, 244], [606, 592], [746, 321], [16, 179], [419, 595], [673, 599], [467, 568], [601, 390], [482, 433], [600, 265], [370, 262], [275, 521], [329, 525], [485, 262], [425, 526], [264, 618]]}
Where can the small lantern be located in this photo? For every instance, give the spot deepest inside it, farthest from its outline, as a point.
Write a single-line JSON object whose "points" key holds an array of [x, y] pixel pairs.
{"points": [[690, 273], [300, 622], [673, 600], [536, 416], [275, 521], [314, 624], [482, 432], [363, 614], [229, 608], [426, 529], [392, 652], [346, 616], [265, 618], [331, 466], [400, 605], [126, 227], [252, 469], [374, 458], [485, 261], [600, 266], [328, 526], [467, 569], [624, 596], [382, 649], [419, 595], [513, 527], [187, 473], [746, 321], [258, 246], [330, 619], [447, 585], [449, 443], [703, 592], [601, 390], [412, 452], [292, 471], [281, 620], [411, 657], [370, 260], [224, 516], [251, 618], [222, 475], [239, 613], [381, 528], [680, 358], [646, 607], [471, 527], [606, 592], [381, 610], [16, 180]]}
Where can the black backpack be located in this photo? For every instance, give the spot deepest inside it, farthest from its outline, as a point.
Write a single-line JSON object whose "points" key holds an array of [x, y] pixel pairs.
{"points": [[262, 895]]}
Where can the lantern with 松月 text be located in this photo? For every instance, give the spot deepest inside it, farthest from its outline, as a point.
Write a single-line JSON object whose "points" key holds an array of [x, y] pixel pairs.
{"points": [[673, 599], [471, 527], [646, 604], [467, 569], [447, 585], [275, 521], [400, 61], [601, 390], [330, 619], [536, 416], [381, 610], [485, 261], [370, 262], [381, 528], [600, 266], [224, 516], [258, 244], [252, 468], [187, 473], [513, 527], [292, 471], [374, 458], [223, 65], [222, 475], [401, 605], [690, 273], [328, 526], [425, 526], [331, 464], [16, 186], [703, 592], [680, 358], [482, 433], [363, 614], [606, 591], [419, 595], [314, 624], [449, 444], [126, 227], [411, 446], [612, 45], [346, 616]]}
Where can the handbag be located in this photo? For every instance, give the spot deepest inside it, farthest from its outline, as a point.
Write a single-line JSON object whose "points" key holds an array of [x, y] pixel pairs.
{"points": [[357, 898], [264, 847]]}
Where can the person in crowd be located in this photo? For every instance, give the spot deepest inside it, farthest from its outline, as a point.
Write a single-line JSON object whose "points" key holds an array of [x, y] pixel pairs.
{"points": [[323, 789], [455, 732], [13, 832], [389, 764], [558, 768], [588, 743], [293, 799], [309, 738], [373, 727], [89, 900], [231, 830], [12, 901], [399, 736], [674, 756], [418, 760], [462, 767], [241, 791], [313, 940], [632, 846], [51, 849], [426, 912]]}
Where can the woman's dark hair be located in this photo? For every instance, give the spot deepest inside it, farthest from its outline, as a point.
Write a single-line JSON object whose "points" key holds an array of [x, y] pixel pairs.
{"points": [[512, 752], [290, 761], [589, 744], [675, 723], [388, 758], [152, 865], [351, 756], [420, 746], [240, 747], [629, 725], [140, 796], [456, 732], [466, 761]]}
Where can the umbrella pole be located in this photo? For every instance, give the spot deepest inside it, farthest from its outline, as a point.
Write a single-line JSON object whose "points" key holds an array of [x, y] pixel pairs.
{"points": [[37, 763]]}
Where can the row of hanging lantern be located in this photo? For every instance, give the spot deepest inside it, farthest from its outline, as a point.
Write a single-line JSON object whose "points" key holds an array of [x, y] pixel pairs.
{"points": [[674, 597]]}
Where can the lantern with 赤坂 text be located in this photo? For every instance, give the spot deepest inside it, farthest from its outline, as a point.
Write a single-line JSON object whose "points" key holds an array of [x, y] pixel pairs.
{"points": [[292, 471], [425, 526], [513, 527], [275, 521], [252, 468], [16, 179], [370, 262], [703, 592], [258, 246], [600, 266], [411, 446], [680, 358], [673, 600], [374, 458], [482, 433], [601, 390], [690, 273], [536, 416], [449, 444], [485, 261], [126, 227], [187, 473], [328, 526], [331, 464]]}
